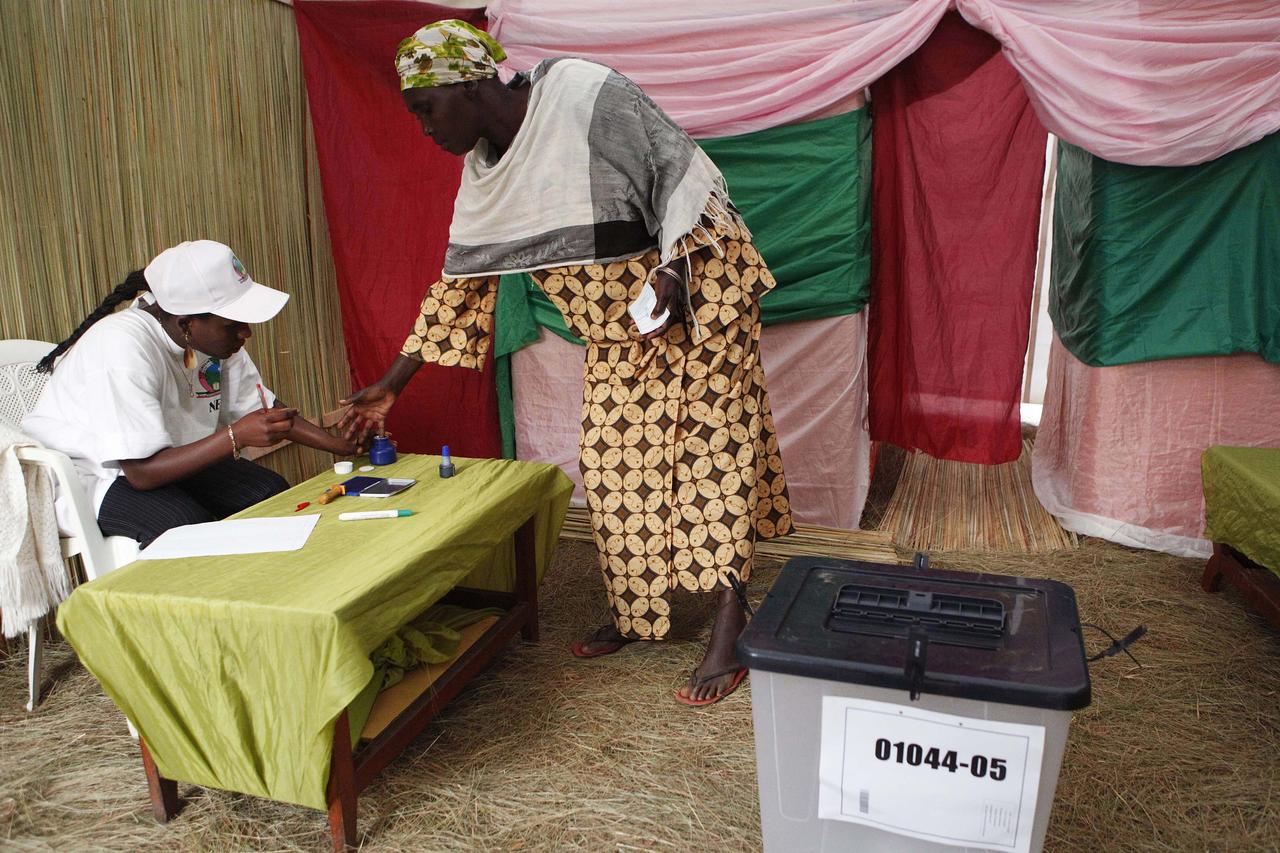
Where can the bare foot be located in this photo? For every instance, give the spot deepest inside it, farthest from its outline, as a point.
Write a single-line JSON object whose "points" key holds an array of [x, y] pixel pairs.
{"points": [[720, 656]]}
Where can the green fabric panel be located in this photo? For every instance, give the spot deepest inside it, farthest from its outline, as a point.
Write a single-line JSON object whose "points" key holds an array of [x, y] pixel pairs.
{"points": [[235, 668], [515, 325], [805, 192], [522, 308], [506, 405], [1242, 501], [1155, 262]]}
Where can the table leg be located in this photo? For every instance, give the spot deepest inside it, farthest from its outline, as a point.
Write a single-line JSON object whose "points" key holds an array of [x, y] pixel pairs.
{"points": [[35, 653], [164, 792], [342, 788], [1255, 583], [1211, 581], [527, 577]]}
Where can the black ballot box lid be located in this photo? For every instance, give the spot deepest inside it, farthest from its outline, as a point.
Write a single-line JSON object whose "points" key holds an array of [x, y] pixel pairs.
{"points": [[991, 638]]}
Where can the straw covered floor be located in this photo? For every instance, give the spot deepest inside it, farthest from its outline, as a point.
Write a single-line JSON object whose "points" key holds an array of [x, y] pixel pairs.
{"points": [[545, 752]]}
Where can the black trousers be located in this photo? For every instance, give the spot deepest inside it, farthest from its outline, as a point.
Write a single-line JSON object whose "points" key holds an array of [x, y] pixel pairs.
{"points": [[220, 490]]}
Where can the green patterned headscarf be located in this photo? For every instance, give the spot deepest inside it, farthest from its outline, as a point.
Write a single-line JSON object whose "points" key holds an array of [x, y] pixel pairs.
{"points": [[447, 52]]}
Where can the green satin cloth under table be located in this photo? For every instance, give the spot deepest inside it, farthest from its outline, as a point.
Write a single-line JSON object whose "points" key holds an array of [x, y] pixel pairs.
{"points": [[1242, 501], [234, 669]]}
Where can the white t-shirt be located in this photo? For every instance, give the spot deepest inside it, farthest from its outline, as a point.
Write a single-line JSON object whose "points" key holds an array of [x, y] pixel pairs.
{"points": [[122, 392]]}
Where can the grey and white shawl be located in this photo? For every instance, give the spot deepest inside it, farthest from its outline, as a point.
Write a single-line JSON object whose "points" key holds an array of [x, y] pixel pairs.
{"points": [[596, 173]]}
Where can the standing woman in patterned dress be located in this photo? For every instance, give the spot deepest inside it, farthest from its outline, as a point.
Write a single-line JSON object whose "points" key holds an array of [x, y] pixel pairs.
{"points": [[574, 175]]}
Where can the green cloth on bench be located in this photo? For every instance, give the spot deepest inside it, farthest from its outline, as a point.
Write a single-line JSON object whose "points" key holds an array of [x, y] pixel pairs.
{"points": [[235, 668], [1242, 501], [431, 638]]}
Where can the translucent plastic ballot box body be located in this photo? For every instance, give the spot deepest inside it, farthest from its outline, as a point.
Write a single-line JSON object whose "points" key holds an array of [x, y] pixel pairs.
{"points": [[906, 709]]}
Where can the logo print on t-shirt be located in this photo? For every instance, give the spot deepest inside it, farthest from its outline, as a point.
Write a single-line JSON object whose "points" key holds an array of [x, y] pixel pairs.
{"points": [[210, 379]]}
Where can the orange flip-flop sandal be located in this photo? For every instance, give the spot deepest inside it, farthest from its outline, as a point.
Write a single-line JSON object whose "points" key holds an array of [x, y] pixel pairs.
{"points": [[740, 672]]}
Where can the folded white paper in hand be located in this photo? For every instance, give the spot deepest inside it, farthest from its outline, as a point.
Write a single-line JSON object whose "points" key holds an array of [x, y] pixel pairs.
{"points": [[642, 308]]}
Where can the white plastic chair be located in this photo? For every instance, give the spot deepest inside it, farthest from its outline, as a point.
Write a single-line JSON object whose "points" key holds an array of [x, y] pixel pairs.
{"points": [[20, 386]]}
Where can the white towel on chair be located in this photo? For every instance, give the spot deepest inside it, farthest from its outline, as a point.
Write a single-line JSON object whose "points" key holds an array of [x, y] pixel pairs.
{"points": [[33, 578]]}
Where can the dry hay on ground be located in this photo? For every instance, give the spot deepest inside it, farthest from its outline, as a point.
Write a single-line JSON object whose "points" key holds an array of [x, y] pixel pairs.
{"points": [[545, 752], [1184, 753]]}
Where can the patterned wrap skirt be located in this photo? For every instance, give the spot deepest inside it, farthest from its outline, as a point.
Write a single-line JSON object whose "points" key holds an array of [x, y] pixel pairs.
{"points": [[679, 454]]}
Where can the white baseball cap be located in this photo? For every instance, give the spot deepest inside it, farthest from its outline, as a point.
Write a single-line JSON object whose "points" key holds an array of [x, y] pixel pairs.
{"points": [[204, 277]]}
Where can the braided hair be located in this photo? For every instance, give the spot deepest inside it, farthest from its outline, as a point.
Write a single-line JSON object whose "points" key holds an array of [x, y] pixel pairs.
{"points": [[133, 284]]}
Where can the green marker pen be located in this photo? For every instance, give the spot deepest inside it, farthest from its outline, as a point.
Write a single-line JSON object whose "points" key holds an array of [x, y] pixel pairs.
{"points": [[377, 513]]}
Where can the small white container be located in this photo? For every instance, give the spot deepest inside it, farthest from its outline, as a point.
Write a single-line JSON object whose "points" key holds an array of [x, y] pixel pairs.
{"points": [[343, 467]]}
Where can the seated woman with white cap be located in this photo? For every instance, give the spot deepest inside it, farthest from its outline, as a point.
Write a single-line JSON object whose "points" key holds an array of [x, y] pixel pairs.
{"points": [[155, 403]]}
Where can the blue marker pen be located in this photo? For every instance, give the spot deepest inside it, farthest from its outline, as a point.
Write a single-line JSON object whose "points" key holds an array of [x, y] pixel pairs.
{"points": [[446, 464]]}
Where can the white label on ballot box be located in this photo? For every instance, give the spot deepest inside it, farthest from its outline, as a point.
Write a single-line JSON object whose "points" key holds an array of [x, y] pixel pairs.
{"points": [[938, 777]]}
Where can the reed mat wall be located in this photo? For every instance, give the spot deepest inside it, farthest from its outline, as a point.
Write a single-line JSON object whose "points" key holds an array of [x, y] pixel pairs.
{"points": [[132, 125]]}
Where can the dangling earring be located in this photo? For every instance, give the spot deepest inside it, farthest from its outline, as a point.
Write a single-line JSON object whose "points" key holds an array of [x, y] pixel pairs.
{"points": [[188, 354]]}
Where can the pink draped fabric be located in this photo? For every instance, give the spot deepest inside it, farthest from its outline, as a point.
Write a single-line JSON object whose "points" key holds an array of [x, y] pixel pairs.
{"points": [[723, 68], [1146, 82], [820, 412], [1118, 451]]}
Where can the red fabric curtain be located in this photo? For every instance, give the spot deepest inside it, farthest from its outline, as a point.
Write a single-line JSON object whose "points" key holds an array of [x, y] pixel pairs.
{"points": [[388, 196], [957, 171]]}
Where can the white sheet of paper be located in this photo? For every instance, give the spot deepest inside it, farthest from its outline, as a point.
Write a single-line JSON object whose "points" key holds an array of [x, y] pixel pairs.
{"points": [[643, 307], [951, 780], [233, 536]]}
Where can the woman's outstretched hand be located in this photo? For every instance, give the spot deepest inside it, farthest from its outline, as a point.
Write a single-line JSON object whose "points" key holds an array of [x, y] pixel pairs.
{"points": [[368, 412]]}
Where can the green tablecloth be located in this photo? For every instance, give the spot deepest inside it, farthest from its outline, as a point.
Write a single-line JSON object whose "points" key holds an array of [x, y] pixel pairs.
{"points": [[1242, 501], [234, 669]]}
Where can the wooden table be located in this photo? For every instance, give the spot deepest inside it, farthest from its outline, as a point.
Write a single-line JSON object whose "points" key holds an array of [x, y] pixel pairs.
{"points": [[1257, 584], [242, 672], [1242, 503], [354, 770]]}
